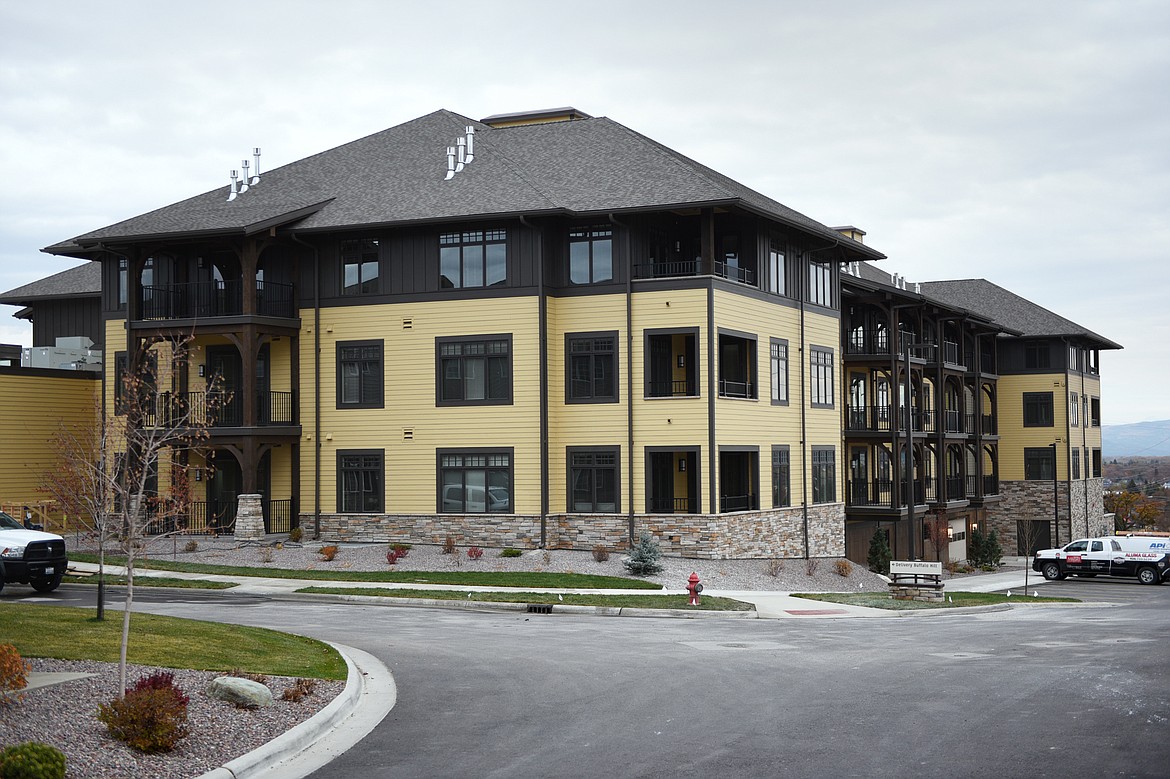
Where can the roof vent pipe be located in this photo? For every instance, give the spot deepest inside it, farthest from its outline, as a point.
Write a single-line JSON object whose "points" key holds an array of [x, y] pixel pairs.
{"points": [[232, 194], [461, 147], [470, 134], [450, 163], [244, 178], [256, 157]]}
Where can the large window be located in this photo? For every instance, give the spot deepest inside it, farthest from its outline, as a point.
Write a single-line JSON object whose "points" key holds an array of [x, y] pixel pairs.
{"points": [[1096, 464], [776, 280], [820, 283], [359, 374], [1095, 412], [737, 366], [781, 477], [1076, 463], [591, 367], [672, 363], [590, 255], [779, 363], [1074, 405], [1038, 409], [1037, 356], [474, 258], [475, 482], [359, 263], [360, 481], [593, 481], [474, 370], [824, 474], [123, 282], [1039, 464], [821, 376]]}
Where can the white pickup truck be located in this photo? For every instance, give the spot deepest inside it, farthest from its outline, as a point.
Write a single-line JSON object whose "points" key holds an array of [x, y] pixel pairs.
{"points": [[1144, 557], [30, 556]]}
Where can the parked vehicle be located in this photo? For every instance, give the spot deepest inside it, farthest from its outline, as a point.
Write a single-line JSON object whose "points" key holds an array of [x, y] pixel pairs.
{"points": [[1145, 557], [30, 556]]}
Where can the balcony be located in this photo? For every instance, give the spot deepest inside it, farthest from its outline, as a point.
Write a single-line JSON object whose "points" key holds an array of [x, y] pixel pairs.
{"points": [[666, 269], [735, 273], [879, 493], [672, 506], [669, 388], [217, 409], [207, 299]]}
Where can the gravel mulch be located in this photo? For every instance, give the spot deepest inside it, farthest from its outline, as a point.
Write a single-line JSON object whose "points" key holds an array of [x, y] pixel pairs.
{"points": [[64, 716]]}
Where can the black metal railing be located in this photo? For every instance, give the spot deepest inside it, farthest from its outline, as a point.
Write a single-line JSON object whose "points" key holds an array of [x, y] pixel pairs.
{"points": [[954, 487], [868, 341], [988, 425], [952, 355], [201, 299], [275, 408], [735, 273], [672, 506], [216, 409], [274, 298], [736, 389], [217, 517], [875, 492], [990, 485], [666, 269], [738, 503], [669, 388], [278, 516]]}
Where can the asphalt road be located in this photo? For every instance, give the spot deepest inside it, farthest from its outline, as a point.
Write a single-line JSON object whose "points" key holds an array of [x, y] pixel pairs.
{"points": [[1055, 691]]}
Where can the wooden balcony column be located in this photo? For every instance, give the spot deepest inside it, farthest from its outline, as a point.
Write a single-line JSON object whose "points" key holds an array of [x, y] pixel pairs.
{"points": [[707, 240], [249, 264]]}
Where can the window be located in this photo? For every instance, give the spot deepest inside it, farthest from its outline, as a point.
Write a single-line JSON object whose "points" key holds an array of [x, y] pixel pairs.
{"points": [[672, 363], [1095, 411], [1096, 464], [1074, 405], [144, 383], [475, 258], [1036, 356], [1037, 409], [474, 371], [359, 263], [123, 282], [779, 360], [1038, 464], [1076, 463], [590, 255], [359, 374], [1091, 362], [475, 482], [820, 283], [824, 474], [821, 376], [737, 366], [776, 280], [593, 480], [121, 367], [360, 478], [781, 476], [1075, 359], [591, 367]]}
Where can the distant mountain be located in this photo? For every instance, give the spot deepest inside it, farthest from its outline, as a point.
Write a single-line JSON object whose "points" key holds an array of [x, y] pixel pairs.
{"points": [[1147, 439]]}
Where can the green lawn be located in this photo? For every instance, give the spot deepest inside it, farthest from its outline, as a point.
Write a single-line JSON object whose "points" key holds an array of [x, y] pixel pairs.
{"points": [[480, 578], [73, 634], [881, 600], [568, 599], [153, 581]]}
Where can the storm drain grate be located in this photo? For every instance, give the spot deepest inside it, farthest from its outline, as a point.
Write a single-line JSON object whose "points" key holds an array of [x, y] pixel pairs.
{"points": [[540, 608]]}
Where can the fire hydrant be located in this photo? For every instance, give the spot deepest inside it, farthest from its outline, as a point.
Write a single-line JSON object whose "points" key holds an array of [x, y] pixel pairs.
{"points": [[694, 588]]}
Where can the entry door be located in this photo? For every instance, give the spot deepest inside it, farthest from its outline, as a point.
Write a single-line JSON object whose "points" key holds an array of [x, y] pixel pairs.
{"points": [[661, 483], [224, 362], [859, 476], [223, 490]]}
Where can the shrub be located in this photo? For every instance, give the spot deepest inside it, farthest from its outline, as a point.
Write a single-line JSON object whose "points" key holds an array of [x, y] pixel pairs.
{"points": [[13, 671], [401, 549], [151, 719], [393, 556], [880, 555], [644, 557], [161, 680], [993, 554], [811, 565], [775, 566], [301, 688], [296, 534], [328, 552], [976, 546], [843, 568], [510, 552], [474, 553], [600, 553], [191, 546], [32, 760], [449, 545]]}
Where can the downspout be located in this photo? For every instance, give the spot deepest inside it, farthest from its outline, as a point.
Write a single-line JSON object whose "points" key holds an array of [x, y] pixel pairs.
{"points": [[629, 268], [542, 329], [316, 383]]}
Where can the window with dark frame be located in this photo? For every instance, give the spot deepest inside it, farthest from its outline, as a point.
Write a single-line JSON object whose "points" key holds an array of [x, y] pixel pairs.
{"points": [[590, 254], [1074, 405], [824, 474], [781, 477], [359, 374], [779, 371], [1096, 464], [474, 370], [360, 267], [360, 481], [1038, 409], [473, 258], [737, 366], [591, 367], [1095, 412], [593, 481], [776, 279], [475, 482], [1038, 464], [1076, 463], [821, 377], [123, 282], [820, 283], [1037, 356]]}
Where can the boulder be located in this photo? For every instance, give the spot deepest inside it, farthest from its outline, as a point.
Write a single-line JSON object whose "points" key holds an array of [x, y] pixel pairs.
{"points": [[244, 693]]}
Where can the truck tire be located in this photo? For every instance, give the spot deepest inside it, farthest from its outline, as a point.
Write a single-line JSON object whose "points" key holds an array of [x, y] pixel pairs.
{"points": [[1148, 575], [1052, 571], [46, 583]]}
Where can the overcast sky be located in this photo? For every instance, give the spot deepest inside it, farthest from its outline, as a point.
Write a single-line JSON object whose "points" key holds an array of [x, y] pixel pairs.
{"points": [[1027, 143]]}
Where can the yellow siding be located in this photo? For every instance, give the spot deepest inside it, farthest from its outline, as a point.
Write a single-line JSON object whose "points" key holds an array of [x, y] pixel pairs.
{"points": [[281, 470], [32, 410], [1014, 437]]}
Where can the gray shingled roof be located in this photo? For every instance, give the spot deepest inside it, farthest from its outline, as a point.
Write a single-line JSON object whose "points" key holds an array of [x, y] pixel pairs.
{"points": [[82, 281], [397, 176], [1008, 308]]}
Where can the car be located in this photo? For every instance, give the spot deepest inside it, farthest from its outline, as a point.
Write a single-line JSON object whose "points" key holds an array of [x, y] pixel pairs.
{"points": [[1146, 558], [30, 556], [458, 499]]}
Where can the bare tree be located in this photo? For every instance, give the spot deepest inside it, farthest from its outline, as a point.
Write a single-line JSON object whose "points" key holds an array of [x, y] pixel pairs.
{"points": [[111, 473], [938, 527], [1027, 534]]}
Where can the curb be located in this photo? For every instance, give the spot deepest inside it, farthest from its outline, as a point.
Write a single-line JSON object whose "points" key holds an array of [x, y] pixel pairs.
{"points": [[280, 756]]}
